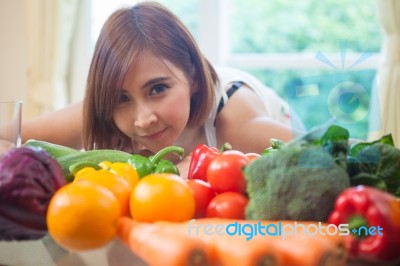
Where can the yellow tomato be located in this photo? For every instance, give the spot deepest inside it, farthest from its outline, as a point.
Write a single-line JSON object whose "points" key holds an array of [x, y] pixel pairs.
{"points": [[162, 197]]}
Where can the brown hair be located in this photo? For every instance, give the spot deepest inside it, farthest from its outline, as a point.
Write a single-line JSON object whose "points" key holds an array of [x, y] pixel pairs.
{"points": [[125, 34]]}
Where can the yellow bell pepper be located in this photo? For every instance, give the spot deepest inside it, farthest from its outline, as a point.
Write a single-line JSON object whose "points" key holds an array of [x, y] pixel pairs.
{"points": [[124, 170]]}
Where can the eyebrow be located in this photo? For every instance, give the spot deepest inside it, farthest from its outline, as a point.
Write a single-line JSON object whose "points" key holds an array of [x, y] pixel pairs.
{"points": [[154, 81]]}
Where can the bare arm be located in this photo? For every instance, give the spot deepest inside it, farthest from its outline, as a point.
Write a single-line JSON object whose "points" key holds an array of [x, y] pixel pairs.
{"points": [[243, 122], [62, 127]]}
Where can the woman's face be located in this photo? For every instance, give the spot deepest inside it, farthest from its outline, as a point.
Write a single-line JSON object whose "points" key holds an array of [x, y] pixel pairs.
{"points": [[154, 104]]}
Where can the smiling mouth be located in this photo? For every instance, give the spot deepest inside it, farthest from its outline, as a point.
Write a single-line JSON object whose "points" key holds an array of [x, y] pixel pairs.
{"points": [[154, 136]]}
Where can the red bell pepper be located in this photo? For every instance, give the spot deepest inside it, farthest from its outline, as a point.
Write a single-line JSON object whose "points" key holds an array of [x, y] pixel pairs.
{"points": [[379, 213], [201, 158]]}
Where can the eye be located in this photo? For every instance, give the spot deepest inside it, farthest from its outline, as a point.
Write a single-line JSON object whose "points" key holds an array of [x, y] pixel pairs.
{"points": [[159, 88], [122, 98]]}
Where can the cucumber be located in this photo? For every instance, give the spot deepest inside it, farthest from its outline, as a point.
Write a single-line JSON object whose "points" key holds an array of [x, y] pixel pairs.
{"points": [[66, 156], [91, 157], [54, 150]]}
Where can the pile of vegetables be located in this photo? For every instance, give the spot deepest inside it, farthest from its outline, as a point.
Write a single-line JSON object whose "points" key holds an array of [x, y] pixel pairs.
{"points": [[321, 177], [31, 174], [375, 164], [301, 180], [318, 178]]}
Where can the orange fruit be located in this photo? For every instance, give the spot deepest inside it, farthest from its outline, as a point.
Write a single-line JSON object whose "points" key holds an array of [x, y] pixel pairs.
{"points": [[82, 216], [116, 184], [162, 197]]}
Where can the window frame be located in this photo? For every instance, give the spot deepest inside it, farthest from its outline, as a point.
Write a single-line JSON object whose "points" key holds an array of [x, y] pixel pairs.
{"points": [[214, 35]]}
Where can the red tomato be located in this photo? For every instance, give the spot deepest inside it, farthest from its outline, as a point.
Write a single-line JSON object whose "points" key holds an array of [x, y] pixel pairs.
{"points": [[203, 194], [224, 173], [231, 205]]}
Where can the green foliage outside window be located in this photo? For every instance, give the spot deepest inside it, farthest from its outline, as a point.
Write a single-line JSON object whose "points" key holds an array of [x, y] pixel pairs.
{"points": [[311, 26], [284, 26]]}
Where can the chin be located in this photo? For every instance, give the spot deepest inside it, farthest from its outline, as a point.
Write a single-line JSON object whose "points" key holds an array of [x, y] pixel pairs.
{"points": [[146, 153]]}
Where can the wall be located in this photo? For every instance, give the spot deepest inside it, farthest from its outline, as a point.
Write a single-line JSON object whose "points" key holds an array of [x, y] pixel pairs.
{"points": [[13, 50]]}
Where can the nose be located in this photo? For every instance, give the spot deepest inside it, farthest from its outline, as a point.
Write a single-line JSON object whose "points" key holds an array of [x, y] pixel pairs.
{"points": [[145, 116]]}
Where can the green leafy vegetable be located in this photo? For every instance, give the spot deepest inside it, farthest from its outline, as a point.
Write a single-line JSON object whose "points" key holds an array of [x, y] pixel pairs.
{"points": [[380, 161]]}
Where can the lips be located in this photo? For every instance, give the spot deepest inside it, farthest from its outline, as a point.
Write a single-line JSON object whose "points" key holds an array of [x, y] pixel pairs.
{"points": [[154, 136]]}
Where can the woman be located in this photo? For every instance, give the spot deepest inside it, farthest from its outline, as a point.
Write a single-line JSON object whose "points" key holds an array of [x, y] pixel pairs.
{"points": [[149, 86]]}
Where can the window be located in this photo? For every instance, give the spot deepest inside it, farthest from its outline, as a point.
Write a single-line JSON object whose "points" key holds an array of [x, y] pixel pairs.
{"points": [[329, 48]]}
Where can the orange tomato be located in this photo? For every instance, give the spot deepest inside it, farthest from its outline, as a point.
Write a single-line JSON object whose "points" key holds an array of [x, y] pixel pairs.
{"points": [[162, 197], [116, 184], [82, 216]]}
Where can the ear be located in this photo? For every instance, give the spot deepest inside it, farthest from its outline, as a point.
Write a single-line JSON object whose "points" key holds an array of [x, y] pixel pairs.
{"points": [[193, 80], [194, 88]]}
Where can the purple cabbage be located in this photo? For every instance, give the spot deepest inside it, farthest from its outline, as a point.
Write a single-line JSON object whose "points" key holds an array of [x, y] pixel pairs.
{"points": [[29, 177]]}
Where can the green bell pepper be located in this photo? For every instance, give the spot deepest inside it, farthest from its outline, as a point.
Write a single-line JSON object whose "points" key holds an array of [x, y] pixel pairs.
{"points": [[155, 164]]}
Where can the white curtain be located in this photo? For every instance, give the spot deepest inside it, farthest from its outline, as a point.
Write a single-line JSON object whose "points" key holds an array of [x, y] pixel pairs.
{"points": [[50, 27], [388, 74]]}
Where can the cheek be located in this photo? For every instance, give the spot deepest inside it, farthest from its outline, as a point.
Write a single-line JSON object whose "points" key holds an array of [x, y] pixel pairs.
{"points": [[121, 120], [178, 109]]}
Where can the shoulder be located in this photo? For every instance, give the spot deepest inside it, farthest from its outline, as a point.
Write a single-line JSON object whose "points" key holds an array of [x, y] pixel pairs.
{"points": [[228, 75], [252, 94], [243, 104], [247, 122], [238, 113]]}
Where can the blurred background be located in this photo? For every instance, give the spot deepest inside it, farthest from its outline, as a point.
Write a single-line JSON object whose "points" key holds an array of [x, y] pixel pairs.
{"points": [[323, 57]]}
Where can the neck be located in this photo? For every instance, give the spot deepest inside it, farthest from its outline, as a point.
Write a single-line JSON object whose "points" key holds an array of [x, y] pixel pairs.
{"points": [[189, 139]]}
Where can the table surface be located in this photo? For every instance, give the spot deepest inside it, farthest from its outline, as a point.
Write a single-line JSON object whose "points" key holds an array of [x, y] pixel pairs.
{"points": [[45, 252]]}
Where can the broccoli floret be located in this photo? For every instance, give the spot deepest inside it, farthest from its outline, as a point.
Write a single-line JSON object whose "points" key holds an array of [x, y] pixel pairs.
{"points": [[298, 182]]}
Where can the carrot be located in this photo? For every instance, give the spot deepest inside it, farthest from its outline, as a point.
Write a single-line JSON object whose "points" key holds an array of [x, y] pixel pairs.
{"points": [[232, 250], [295, 250], [190, 243], [301, 249], [166, 247], [157, 244], [308, 251], [236, 250], [316, 249]]}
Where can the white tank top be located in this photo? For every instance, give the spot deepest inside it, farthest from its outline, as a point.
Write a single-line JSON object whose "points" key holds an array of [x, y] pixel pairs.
{"points": [[277, 108]]}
